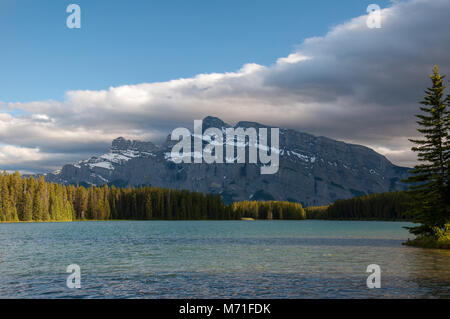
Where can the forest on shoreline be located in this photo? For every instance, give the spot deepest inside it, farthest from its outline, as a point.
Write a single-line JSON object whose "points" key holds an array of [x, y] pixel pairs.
{"points": [[391, 206], [35, 200]]}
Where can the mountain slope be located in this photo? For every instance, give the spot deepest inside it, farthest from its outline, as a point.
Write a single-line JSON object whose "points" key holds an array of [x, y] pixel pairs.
{"points": [[313, 170]]}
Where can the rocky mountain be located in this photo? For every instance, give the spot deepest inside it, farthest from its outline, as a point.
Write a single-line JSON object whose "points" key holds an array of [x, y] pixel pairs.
{"points": [[313, 170]]}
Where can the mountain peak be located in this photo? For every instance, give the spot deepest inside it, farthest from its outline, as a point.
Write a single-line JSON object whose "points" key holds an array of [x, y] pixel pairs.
{"points": [[211, 121], [122, 144], [247, 124], [313, 170]]}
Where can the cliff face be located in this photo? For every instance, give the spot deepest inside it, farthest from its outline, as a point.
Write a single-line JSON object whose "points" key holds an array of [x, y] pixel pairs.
{"points": [[313, 170]]}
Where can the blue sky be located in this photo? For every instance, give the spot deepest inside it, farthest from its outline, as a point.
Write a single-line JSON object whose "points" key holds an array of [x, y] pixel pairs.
{"points": [[130, 42]]}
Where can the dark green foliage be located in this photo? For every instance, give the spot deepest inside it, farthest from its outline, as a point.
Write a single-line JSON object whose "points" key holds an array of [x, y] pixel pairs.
{"points": [[316, 212], [268, 210], [386, 206], [28, 199], [439, 240], [430, 186]]}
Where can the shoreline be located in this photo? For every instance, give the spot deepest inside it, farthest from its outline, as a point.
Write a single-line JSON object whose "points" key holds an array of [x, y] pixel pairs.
{"points": [[174, 220], [428, 242]]}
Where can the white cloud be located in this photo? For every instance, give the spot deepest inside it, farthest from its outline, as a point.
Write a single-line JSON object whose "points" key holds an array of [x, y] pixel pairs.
{"points": [[293, 58], [42, 117], [10, 154]]}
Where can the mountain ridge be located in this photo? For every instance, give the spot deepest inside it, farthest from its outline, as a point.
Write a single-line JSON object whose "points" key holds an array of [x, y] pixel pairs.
{"points": [[313, 170]]}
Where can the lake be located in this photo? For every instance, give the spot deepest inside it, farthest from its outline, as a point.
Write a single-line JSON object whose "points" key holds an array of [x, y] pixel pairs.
{"points": [[218, 259]]}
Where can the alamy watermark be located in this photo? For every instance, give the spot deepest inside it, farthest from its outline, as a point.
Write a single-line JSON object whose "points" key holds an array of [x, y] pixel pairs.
{"points": [[374, 18], [236, 139], [374, 279], [74, 279], [74, 19]]}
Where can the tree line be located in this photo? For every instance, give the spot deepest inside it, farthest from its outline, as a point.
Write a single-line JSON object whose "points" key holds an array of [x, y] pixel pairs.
{"points": [[28, 199], [31, 199], [385, 206], [269, 210]]}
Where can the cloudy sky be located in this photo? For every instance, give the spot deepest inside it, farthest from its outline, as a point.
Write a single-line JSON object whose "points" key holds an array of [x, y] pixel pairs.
{"points": [[65, 94]]}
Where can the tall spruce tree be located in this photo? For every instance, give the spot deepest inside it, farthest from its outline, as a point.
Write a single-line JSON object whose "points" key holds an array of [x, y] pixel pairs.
{"points": [[447, 144], [430, 180], [28, 207]]}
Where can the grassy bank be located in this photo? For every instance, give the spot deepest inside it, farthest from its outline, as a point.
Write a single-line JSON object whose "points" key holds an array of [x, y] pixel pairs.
{"points": [[428, 242], [439, 240]]}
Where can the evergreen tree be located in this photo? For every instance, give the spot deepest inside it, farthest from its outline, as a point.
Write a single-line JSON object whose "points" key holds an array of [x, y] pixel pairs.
{"points": [[90, 213], [148, 205], [4, 196], [447, 143], [430, 179], [28, 207]]}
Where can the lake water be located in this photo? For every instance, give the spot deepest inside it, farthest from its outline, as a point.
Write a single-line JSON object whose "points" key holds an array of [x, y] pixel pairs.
{"points": [[218, 259]]}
